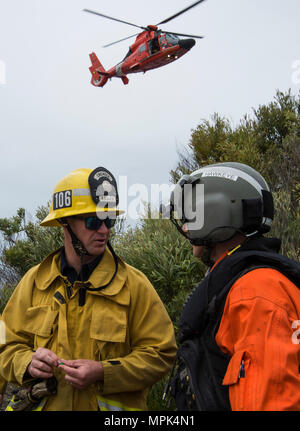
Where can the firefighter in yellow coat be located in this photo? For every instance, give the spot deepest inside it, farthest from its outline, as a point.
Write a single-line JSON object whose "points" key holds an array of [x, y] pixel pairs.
{"points": [[84, 330]]}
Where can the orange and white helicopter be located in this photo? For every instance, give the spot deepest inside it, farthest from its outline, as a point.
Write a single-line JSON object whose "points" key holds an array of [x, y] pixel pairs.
{"points": [[152, 48]]}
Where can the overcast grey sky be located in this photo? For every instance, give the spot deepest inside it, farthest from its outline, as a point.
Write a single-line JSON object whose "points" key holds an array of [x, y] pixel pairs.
{"points": [[53, 121]]}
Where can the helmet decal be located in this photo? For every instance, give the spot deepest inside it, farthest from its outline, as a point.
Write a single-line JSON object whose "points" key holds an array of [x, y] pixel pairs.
{"points": [[103, 188], [62, 199]]}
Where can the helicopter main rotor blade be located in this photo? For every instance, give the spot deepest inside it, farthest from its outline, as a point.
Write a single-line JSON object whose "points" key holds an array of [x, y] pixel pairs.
{"points": [[182, 34], [114, 19], [179, 13], [117, 41]]}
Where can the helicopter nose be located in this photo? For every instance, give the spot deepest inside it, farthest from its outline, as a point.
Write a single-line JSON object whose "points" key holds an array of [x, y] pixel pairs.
{"points": [[186, 43]]}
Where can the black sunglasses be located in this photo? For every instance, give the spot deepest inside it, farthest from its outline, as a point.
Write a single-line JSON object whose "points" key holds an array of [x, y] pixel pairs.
{"points": [[95, 223]]}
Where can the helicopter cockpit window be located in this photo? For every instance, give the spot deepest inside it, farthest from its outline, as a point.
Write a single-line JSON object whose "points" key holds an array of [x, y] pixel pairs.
{"points": [[142, 48], [172, 39], [163, 41], [154, 45]]}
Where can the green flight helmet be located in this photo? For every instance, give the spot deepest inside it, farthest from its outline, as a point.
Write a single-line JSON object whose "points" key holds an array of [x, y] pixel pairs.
{"points": [[218, 200]]}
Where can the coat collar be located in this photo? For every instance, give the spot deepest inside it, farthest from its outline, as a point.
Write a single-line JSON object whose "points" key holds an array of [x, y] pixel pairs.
{"points": [[50, 269]]}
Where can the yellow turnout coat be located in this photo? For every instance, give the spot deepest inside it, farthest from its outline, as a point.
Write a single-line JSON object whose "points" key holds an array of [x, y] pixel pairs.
{"points": [[125, 326]]}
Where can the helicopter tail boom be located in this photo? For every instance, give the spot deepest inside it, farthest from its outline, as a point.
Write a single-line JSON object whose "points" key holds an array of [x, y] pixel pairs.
{"points": [[99, 74]]}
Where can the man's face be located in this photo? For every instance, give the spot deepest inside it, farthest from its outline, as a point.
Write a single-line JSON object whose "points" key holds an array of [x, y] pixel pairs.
{"points": [[93, 240]]}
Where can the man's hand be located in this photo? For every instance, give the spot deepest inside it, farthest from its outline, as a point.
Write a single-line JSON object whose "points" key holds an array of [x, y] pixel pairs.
{"points": [[81, 373], [42, 364]]}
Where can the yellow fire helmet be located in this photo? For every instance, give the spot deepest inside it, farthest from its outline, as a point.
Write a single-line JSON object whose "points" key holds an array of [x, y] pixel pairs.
{"points": [[83, 191]]}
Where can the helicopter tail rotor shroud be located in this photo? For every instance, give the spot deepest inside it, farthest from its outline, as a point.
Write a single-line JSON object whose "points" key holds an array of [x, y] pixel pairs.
{"points": [[99, 74]]}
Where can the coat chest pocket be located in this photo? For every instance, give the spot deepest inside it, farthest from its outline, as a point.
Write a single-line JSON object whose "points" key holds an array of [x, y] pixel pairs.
{"points": [[40, 322], [109, 331]]}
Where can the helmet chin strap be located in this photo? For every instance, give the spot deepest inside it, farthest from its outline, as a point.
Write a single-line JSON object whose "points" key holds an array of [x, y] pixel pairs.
{"points": [[78, 246], [81, 251]]}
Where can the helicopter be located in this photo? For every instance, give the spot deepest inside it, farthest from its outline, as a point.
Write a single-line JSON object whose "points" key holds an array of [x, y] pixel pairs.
{"points": [[152, 48]]}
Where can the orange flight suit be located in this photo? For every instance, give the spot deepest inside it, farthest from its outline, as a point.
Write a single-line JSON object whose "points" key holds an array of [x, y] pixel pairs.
{"points": [[259, 331]]}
